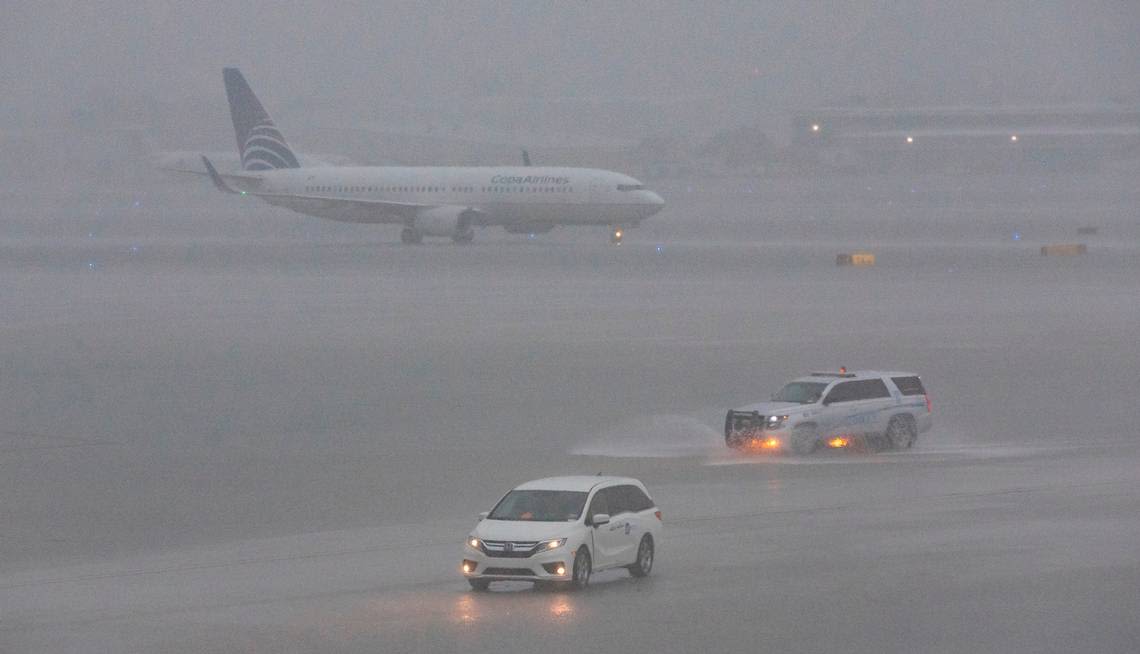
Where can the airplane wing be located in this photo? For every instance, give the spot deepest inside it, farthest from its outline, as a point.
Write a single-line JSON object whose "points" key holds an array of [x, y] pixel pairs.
{"points": [[350, 210], [252, 181], [357, 210]]}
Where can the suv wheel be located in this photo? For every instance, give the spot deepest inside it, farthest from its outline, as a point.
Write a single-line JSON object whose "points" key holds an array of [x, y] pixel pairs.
{"points": [[644, 563], [900, 432], [804, 440]]}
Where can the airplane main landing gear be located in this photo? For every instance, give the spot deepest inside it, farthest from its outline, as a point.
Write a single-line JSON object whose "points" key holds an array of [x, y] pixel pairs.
{"points": [[616, 235], [411, 236]]}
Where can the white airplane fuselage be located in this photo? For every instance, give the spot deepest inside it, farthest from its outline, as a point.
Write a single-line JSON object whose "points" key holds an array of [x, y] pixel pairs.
{"points": [[500, 195]]}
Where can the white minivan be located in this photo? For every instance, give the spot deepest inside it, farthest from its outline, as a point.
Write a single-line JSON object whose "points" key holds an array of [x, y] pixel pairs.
{"points": [[561, 530]]}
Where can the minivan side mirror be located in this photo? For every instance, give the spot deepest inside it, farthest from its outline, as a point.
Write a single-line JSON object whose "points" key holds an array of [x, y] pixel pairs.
{"points": [[483, 515], [600, 519]]}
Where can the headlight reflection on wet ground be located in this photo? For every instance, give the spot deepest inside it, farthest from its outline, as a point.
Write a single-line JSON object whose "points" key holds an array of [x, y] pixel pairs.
{"points": [[375, 616], [561, 608], [466, 610], [495, 607]]}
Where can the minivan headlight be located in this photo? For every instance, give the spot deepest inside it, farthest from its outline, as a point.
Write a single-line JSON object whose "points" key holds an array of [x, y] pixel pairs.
{"points": [[474, 542], [553, 544]]}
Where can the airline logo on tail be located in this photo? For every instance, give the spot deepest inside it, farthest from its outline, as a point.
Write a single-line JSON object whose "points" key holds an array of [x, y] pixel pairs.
{"points": [[260, 143]]}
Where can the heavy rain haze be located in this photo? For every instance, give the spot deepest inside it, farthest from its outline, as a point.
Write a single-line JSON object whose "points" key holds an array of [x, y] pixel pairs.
{"points": [[227, 426]]}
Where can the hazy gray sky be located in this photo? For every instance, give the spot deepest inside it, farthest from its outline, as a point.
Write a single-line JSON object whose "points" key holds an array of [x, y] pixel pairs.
{"points": [[783, 55]]}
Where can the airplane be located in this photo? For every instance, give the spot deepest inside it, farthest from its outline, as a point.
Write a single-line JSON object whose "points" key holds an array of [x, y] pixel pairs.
{"points": [[427, 201]]}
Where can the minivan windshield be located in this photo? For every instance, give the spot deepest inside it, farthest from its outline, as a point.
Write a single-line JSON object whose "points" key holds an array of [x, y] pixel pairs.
{"points": [[800, 392], [540, 506]]}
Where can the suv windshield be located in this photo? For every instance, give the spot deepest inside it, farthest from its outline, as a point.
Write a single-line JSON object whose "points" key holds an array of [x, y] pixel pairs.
{"points": [[540, 506], [800, 392]]}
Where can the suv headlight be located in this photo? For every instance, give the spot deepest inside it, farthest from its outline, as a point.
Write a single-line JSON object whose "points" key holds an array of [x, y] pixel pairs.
{"points": [[474, 542], [776, 422], [553, 544]]}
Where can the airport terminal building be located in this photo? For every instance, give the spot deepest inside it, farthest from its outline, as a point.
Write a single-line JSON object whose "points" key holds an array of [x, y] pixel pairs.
{"points": [[962, 139]]}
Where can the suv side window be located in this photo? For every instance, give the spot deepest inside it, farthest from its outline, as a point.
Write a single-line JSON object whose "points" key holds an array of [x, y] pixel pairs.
{"points": [[844, 392], [909, 385], [872, 389], [863, 389]]}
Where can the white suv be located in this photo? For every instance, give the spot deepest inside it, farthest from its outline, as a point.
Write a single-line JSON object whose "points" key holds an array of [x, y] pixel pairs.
{"points": [[868, 408], [561, 530]]}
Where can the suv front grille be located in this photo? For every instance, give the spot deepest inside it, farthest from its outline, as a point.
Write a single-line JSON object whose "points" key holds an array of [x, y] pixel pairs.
{"points": [[741, 422], [511, 549]]}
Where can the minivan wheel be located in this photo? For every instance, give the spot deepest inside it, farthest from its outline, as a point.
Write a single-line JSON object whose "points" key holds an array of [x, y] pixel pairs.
{"points": [[644, 563], [583, 566], [900, 433]]}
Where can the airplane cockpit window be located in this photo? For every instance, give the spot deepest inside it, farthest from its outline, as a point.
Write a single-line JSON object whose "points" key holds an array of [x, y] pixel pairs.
{"points": [[631, 187]]}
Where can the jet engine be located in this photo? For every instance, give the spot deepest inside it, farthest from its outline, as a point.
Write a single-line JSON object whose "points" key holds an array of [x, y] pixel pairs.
{"points": [[452, 221]]}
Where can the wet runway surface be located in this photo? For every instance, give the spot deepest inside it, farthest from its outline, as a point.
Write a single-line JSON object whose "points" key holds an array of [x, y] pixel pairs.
{"points": [[278, 444]]}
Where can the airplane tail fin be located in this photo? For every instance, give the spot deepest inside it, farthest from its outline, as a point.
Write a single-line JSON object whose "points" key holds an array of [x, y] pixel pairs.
{"points": [[261, 145]]}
